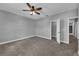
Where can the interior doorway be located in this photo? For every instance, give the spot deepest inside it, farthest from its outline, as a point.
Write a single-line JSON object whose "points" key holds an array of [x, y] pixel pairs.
{"points": [[73, 27], [70, 29], [53, 30]]}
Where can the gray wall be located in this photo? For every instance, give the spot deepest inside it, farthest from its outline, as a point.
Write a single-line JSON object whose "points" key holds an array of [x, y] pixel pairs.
{"points": [[13, 26], [43, 28]]}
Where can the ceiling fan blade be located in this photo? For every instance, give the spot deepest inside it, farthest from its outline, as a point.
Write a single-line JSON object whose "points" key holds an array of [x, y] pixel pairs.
{"points": [[28, 5], [25, 10], [39, 8], [37, 13]]}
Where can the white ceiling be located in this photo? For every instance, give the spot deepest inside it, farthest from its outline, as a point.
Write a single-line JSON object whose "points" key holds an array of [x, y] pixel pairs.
{"points": [[48, 8]]}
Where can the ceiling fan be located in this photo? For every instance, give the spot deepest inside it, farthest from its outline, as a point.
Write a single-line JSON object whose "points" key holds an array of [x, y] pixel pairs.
{"points": [[32, 9]]}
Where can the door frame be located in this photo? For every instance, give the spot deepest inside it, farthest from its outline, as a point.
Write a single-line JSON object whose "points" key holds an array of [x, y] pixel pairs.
{"points": [[58, 37], [56, 28]]}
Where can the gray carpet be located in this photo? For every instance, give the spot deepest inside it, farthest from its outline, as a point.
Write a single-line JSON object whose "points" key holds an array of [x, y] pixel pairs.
{"points": [[37, 46]]}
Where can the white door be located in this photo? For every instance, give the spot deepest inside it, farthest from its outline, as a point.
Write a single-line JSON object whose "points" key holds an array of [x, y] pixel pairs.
{"points": [[58, 31], [64, 29]]}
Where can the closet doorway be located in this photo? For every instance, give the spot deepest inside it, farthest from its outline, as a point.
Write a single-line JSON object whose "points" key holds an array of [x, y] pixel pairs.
{"points": [[53, 30]]}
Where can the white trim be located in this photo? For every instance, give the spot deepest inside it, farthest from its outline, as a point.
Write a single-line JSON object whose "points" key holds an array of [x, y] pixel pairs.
{"points": [[44, 37], [78, 52], [73, 17], [21, 39], [65, 42], [71, 33], [16, 40]]}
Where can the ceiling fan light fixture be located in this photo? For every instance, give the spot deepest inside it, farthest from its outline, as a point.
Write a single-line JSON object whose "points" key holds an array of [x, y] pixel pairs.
{"points": [[32, 13], [32, 9]]}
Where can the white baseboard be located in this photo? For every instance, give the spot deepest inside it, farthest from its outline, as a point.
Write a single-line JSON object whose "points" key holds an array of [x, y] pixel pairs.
{"points": [[44, 37], [71, 34], [21, 39], [65, 42], [16, 40]]}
